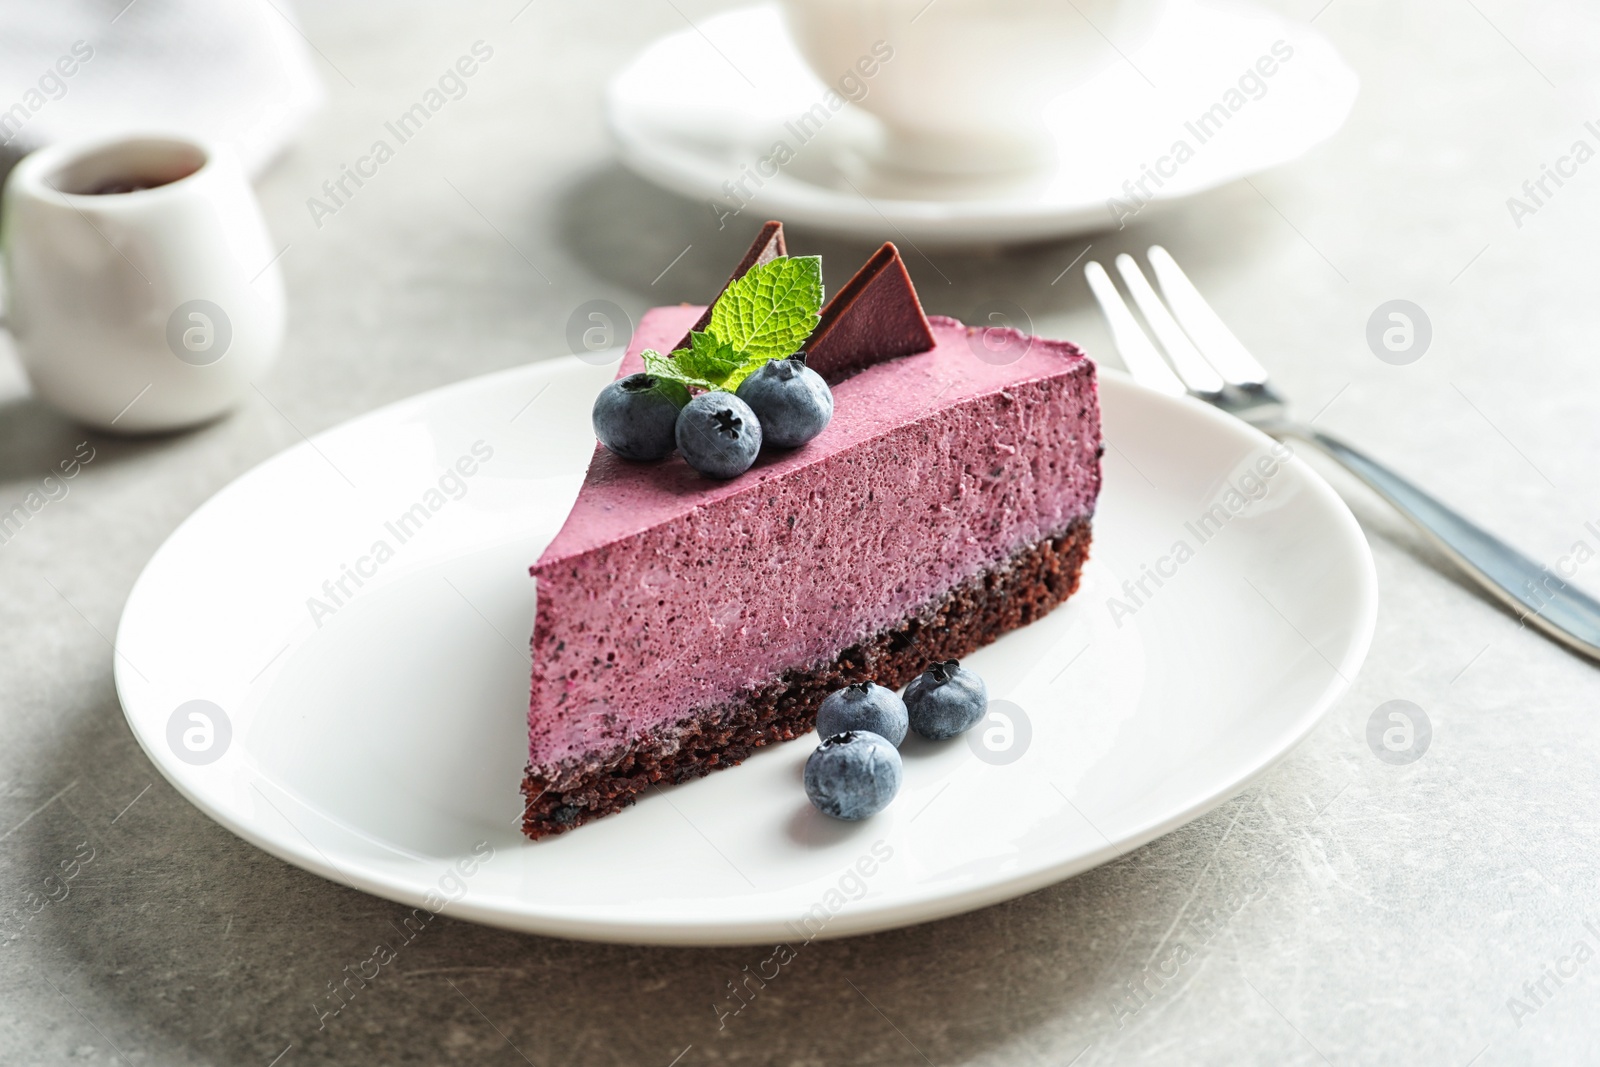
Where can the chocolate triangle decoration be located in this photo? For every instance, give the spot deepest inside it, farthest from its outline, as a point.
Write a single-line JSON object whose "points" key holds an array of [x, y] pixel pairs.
{"points": [[767, 246], [875, 317]]}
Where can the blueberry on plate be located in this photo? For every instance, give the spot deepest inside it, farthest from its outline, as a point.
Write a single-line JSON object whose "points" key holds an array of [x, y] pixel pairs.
{"points": [[945, 700], [853, 775], [791, 400], [635, 416], [864, 706], [719, 435]]}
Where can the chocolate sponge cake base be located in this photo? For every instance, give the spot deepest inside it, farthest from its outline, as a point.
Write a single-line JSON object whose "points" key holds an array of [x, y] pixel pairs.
{"points": [[973, 614]]}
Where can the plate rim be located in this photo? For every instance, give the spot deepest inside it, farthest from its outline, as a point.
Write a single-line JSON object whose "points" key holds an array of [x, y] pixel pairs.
{"points": [[563, 921]]}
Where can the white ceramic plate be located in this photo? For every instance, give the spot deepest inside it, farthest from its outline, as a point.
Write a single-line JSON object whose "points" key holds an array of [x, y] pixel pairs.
{"points": [[685, 118], [379, 739]]}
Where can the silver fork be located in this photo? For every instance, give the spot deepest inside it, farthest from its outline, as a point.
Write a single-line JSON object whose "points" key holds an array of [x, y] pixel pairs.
{"points": [[1211, 364]]}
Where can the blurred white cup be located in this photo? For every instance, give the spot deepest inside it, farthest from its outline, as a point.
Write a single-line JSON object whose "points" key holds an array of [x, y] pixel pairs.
{"points": [[142, 289], [962, 91]]}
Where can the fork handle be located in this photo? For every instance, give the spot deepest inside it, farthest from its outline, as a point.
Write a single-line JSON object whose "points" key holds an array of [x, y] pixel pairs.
{"points": [[1534, 592]]}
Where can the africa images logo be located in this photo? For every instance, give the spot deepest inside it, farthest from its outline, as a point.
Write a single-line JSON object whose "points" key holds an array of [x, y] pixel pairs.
{"points": [[198, 732], [199, 332]]}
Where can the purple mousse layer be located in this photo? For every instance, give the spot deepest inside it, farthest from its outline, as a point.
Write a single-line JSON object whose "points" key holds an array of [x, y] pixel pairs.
{"points": [[666, 592]]}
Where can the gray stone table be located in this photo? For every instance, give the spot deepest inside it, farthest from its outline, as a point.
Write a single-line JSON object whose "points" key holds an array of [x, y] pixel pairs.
{"points": [[1341, 911]]}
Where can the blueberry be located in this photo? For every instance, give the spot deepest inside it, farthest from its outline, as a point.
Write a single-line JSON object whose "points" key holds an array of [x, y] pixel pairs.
{"points": [[863, 706], [945, 700], [719, 435], [791, 400], [853, 775], [635, 416]]}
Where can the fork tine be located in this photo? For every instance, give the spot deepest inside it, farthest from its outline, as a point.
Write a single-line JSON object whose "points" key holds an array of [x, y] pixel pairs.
{"points": [[1210, 334], [1196, 373], [1138, 354]]}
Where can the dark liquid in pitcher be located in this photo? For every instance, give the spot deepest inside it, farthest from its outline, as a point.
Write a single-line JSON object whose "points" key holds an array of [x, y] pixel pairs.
{"points": [[119, 186], [136, 183]]}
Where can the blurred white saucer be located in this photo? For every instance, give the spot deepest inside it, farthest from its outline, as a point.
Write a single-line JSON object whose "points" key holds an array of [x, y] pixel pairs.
{"points": [[702, 113]]}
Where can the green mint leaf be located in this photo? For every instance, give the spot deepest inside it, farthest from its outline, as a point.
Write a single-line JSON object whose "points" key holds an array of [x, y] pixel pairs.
{"points": [[765, 315], [705, 371], [665, 367], [708, 358], [660, 366], [769, 313]]}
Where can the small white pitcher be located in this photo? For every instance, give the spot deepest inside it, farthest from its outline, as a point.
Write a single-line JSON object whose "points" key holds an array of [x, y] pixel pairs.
{"points": [[143, 290]]}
